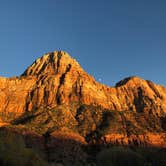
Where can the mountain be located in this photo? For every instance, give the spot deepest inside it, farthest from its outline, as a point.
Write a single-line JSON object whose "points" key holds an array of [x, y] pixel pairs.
{"points": [[61, 113]]}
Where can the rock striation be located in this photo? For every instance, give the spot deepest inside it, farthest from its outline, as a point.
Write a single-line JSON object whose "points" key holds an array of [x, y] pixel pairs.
{"points": [[55, 95], [56, 79]]}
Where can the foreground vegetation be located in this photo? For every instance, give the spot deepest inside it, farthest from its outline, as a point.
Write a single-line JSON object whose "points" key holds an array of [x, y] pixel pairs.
{"points": [[71, 135], [15, 152]]}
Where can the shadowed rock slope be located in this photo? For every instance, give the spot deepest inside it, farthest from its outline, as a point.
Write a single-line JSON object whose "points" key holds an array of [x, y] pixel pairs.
{"points": [[55, 99]]}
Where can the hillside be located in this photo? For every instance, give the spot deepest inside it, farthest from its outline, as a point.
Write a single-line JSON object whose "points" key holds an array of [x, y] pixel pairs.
{"points": [[61, 114]]}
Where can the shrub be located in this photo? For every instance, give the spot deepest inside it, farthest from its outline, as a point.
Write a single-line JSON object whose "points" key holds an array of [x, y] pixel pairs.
{"points": [[119, 156], [13, 151]]}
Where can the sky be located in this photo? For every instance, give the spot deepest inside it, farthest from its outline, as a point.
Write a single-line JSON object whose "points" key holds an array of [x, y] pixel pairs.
{"points": [[111, 39]]}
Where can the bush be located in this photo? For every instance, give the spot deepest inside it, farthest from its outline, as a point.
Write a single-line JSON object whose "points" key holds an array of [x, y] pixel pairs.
{"points": [[13, 152], [119, 156]]}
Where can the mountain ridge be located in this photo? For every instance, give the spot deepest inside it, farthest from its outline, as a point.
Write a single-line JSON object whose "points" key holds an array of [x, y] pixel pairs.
{"points": [[55, 97], [60, 73]]}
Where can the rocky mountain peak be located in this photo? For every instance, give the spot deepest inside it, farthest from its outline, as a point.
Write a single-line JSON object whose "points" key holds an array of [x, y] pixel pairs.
{"points": [[52, 63], [126, 80], [55, 95]]}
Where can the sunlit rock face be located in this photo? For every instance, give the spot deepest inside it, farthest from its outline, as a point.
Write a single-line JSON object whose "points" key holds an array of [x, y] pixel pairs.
{"points": [[56, 79], [55, 95]]}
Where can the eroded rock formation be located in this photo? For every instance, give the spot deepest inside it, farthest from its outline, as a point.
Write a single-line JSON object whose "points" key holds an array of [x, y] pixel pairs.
{"points": [[55, 95]]}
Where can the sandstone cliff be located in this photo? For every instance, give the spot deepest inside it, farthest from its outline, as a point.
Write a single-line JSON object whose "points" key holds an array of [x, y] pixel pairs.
{"points": [[56, 79], [55, 95]]}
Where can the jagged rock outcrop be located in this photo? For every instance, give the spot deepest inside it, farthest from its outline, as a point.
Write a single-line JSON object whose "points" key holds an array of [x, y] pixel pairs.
{"points": [[56, 79], [13, 95], [55, 95]]}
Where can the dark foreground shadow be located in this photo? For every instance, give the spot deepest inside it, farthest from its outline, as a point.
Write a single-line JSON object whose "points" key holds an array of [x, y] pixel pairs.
{"points": [[21, 147]]}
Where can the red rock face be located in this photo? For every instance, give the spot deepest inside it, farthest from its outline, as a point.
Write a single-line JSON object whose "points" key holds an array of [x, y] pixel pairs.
{"points": [[142, 140], [57, 79], [13, 95]]}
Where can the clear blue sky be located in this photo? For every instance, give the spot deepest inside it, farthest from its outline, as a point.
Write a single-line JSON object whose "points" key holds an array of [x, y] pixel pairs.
{"points": [[111, 39]]}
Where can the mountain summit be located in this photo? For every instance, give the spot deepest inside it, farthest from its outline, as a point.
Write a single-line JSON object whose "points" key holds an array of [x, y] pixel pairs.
{"points": [[56, 79], [52, 63], [55, 97]]}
